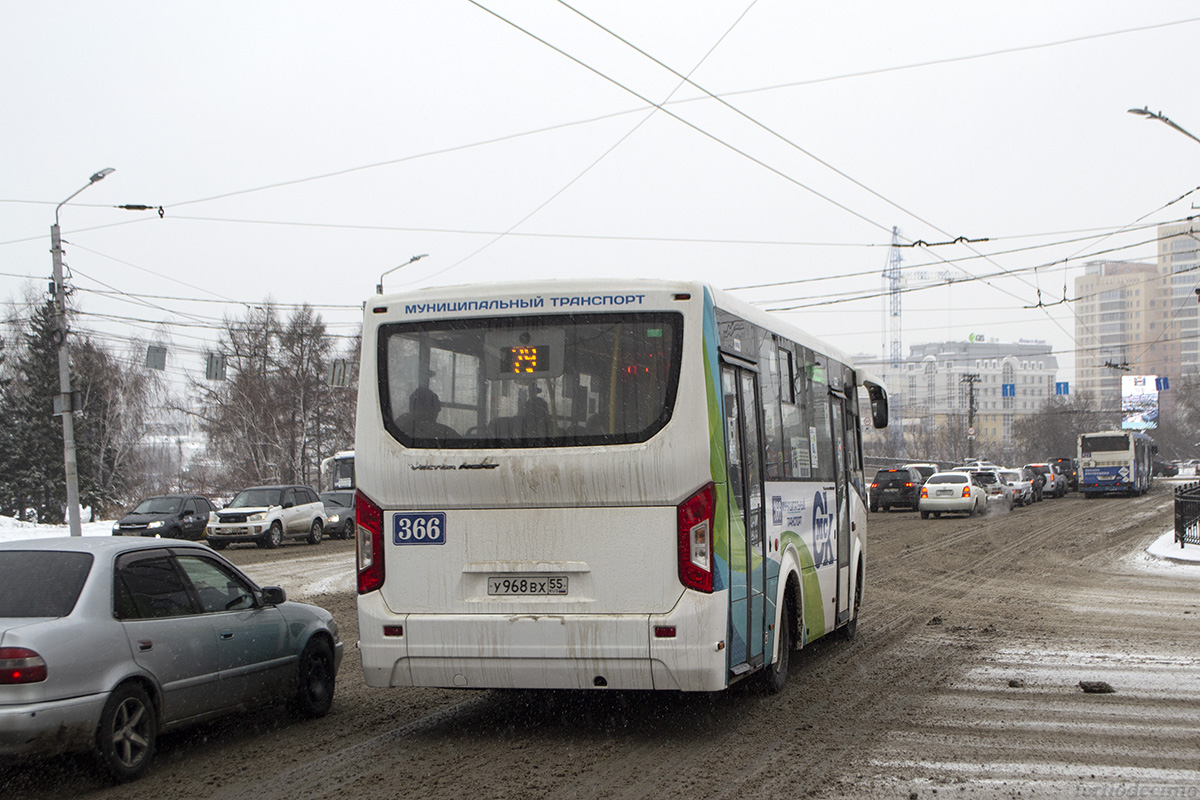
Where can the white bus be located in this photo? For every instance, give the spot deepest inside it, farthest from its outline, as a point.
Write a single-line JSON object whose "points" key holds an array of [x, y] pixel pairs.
{"points": [[337, 471], [1112, 462], [602, 484]]}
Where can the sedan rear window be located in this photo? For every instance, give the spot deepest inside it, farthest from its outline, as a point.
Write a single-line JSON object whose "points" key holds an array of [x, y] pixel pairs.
{"points": [[947, 478], [39, 583]]}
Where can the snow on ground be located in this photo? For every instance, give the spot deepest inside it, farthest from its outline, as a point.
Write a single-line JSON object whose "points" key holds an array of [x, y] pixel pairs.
{"points": [[303, 577], [13, 529]]}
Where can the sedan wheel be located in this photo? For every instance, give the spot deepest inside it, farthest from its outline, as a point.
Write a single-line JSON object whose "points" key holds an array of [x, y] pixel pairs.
{"points": [[315, 680], [125, 738]]}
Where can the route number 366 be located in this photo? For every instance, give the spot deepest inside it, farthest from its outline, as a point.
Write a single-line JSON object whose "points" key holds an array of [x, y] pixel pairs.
{"points": [[427, 528]]}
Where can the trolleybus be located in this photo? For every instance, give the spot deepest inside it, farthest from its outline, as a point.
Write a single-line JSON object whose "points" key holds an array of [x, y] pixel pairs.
{"points": [[1113, 462], [602, 484]]}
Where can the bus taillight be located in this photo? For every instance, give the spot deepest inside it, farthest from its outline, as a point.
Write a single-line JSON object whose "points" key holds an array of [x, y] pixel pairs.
{"points": [[369, 549], [695, 516]]}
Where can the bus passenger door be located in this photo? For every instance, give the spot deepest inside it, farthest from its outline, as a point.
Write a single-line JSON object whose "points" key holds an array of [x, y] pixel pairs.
{"points": [[842, 532], [743, 445]]}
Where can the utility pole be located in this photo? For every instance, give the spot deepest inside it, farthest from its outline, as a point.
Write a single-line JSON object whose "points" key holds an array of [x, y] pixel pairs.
{"points": [[971, 378], [65, 395]]}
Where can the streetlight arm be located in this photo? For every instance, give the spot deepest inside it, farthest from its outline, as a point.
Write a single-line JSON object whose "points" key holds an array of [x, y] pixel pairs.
{"points": [[99, 176], [379, 286], [1148, 114]]}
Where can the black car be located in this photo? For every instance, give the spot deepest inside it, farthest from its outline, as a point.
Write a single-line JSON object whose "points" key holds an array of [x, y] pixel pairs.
{"points": [[171, 516], [1070, 469], [895, 487], [339, 513], [1164, 469]]}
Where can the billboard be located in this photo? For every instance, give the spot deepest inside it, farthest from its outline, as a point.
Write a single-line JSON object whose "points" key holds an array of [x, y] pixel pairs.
{"points": [[1139, 402]]}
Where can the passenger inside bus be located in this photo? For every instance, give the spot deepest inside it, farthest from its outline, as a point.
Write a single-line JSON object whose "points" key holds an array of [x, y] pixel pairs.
{"points": [[532, 421], [421, 420]]}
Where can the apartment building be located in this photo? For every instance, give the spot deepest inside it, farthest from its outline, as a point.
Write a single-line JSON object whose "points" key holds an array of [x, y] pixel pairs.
{"points": [[1138, 318]]}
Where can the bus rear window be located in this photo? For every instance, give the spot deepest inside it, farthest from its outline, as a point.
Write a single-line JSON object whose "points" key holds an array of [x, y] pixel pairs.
{"points": [[1104, 444], [545, 381]]}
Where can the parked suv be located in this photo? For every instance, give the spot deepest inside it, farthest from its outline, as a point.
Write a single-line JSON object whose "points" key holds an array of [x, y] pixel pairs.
{"points": [[1070, 470], [171, 516], [266, 515], [895, 487]]}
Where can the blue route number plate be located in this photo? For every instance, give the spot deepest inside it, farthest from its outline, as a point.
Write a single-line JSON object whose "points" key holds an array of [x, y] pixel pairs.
{"points": [[425, 528]]}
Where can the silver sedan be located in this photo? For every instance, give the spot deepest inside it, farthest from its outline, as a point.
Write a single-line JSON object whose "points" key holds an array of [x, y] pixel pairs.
{"points": [[107, 642]]}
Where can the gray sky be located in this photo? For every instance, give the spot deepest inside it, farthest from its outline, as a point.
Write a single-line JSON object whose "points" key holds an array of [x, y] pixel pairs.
{"points": [[300, 149]]}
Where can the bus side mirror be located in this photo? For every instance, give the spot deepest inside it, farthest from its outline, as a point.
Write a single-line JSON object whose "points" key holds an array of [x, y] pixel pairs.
{"points": [[879, 404]]}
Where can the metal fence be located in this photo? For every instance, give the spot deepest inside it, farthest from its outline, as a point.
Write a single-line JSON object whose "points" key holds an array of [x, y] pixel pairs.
{"points": [[1187, 514]]}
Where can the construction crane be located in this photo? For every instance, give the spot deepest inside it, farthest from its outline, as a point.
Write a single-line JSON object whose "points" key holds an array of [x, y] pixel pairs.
{"points": [[892, 281]]}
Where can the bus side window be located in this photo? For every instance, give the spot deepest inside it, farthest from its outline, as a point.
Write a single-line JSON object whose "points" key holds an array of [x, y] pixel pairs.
{"points": [[820, 421], [769, 392], [797, 453]]}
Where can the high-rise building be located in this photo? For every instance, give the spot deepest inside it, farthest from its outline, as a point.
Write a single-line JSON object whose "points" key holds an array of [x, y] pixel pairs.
{"points": [[1111, 326], [1174, 335], [1139, 319]]}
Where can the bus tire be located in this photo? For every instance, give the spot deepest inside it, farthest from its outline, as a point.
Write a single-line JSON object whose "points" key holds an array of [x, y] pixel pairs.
{"points": [[851, 627], [775, 676]]}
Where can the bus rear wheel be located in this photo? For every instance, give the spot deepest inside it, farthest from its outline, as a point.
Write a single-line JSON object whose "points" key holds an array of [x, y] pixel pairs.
{"points": [[775, 676], [851, 627]]}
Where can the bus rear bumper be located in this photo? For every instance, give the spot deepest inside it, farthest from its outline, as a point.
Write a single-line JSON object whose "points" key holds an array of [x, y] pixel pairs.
{"points": [[551, 651]]}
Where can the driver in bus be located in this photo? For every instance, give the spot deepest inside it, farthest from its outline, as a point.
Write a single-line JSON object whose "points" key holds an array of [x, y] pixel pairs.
{"points": [[421, 420]]}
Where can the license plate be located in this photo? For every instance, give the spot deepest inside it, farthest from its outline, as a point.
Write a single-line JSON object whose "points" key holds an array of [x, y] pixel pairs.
{"points": [[945, 492], [540, 584]]}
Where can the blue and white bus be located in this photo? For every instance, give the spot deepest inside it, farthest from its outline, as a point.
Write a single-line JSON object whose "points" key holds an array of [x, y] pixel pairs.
{"points": [[1115, 462], [602, 484]]}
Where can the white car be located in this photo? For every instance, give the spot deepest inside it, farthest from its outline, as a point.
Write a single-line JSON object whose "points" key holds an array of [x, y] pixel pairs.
{"points": [[266, 515], [1021, 485], [952, 493], [998, 490]]}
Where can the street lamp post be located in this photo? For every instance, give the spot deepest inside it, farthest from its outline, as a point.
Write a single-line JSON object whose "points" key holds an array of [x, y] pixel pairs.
{"points": [[64, 365]]}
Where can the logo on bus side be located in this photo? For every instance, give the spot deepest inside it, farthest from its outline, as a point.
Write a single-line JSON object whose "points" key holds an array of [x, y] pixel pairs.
{"points": [[426, 528], [787, 513], [822, 527]]}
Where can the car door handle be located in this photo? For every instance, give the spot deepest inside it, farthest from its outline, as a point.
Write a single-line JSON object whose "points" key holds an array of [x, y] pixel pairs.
{"points": [[226, 634], [145, 644]]}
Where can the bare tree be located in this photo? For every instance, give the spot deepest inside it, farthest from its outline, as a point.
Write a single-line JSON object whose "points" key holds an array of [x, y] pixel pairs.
{"points": [[1053, 432], [275, 417]]}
